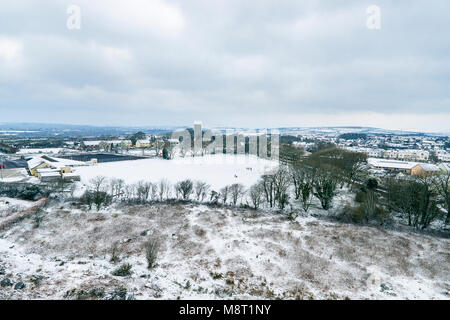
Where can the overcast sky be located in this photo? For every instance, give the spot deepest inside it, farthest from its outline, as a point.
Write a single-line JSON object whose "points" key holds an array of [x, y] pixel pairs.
{"points": [[254, 63]]}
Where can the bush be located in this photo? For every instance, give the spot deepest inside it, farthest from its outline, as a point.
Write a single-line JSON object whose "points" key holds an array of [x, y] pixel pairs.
{"points": [[123, 271], [81, 294], [115, 253], [214, 197], [359, 196], [416, 199], [120, 294], [38, 219], [185, 188], [372, 184], [21, 191], [151, 253], [367, 210], [325, 190], [99, 198]]}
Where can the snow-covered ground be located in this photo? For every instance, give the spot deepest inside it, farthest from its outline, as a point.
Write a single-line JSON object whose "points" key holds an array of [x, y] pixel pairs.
{"points": [[48, 151], [9, 206], [13, 175], [216, 170], [210, 252], [216, 253]]}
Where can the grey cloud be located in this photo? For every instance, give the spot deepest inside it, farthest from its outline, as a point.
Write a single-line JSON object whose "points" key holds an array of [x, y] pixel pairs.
{"points": [[213, 60]]}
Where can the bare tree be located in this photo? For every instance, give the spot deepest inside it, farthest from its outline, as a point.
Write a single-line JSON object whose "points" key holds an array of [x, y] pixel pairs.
{"points": [[442, 184], [201, 190], [163, 189], [281, 184], [416, 199], [143, 191], [117, 186], [224, 192], [352, 164], [303, 179], [129, 192], [345, 165], [256, 195], [185, 188], [72, 189], [98, 183], [99, 195], [237, 191], [267, 183], [154, 192]]}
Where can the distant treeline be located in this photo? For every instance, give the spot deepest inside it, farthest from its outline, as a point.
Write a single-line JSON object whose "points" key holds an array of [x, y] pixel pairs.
{"points": [[8, 149], [353, 136]]}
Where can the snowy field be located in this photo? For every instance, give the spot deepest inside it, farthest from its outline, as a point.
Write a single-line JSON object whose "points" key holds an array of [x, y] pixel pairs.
{"points": [[217, 253], [216, 170]]}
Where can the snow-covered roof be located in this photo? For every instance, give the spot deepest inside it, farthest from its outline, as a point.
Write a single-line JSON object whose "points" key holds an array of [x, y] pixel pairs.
{"points": [[116, 141], [392, 164], [446, 166], [53, 162], [91, 143], [69, 163], [428, 167], [45, 170], [50, 174]]}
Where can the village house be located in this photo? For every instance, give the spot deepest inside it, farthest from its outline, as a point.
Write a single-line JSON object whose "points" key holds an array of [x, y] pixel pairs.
{"points": [[424, 170], [143, 143], [407, 155], [443, 155], [49, 169], [392, 165]]}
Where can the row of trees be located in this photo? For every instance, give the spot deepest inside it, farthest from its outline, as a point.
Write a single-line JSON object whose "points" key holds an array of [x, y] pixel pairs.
{"points": [[292, 188], [421, 200], [318, 176], [102, 191]]}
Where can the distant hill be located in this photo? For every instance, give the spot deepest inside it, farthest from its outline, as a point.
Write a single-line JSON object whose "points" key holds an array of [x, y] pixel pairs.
{"points": [[69, 130]]}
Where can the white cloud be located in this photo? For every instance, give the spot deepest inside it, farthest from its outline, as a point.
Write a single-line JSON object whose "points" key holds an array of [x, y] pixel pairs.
{"points": [[156, 17], [246, 66], [10, 49]]}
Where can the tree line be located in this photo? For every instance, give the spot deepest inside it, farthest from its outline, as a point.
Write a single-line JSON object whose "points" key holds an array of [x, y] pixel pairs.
{"points": [[292, 189]]}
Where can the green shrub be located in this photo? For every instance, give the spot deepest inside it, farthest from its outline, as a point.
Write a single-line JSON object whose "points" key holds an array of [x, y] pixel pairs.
{"points": [[123, 271]]}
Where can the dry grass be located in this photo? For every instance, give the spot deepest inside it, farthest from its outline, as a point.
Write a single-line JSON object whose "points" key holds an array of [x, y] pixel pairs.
{"points": [[264, 256]]}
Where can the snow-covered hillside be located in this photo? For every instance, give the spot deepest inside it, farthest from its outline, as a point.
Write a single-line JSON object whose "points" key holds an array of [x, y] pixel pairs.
{"points": [[215, 253]]}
